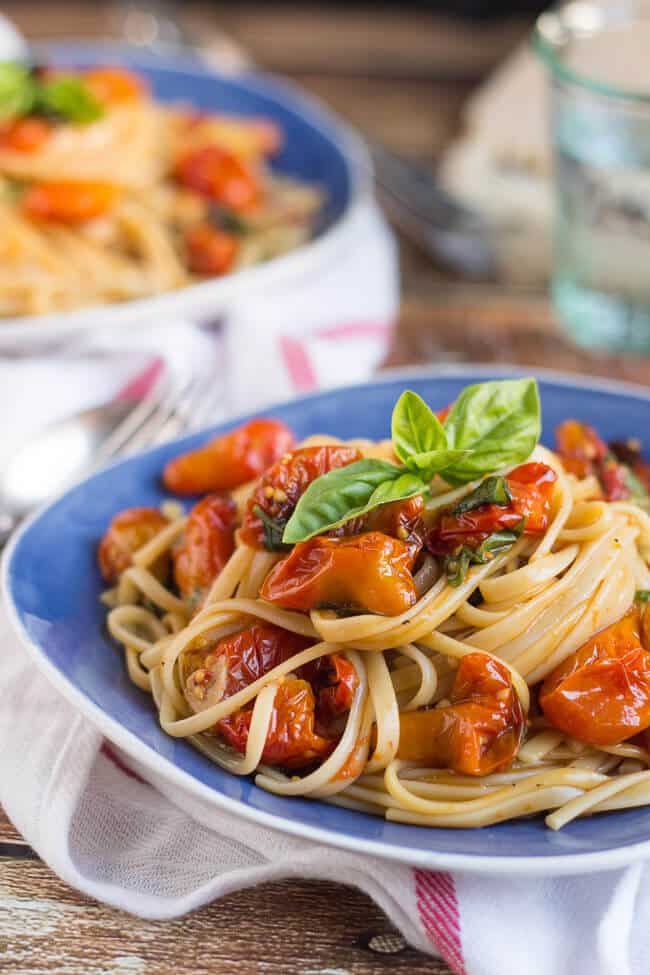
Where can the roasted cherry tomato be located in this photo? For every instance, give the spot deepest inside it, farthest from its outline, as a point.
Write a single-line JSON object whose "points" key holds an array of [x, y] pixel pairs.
{"points": [[399, 519], [210, 251], [478, 733], [69, 203], [370, 571], [207, 544], [25, 134], [219, 175], [113, 86], [291, 740], [128, 531], [229, 460], [531, 487], [280, 488], [583, 453], [334, 681], [444, 413], [244, 657], [601, 693]]}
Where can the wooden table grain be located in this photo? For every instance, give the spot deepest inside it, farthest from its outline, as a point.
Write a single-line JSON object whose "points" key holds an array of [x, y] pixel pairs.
{"points": [[401, 78]]}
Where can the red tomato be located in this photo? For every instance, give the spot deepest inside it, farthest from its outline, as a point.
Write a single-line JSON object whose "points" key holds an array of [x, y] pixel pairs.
{"points": [[291, 741], [128, 531], [399, 519], [210, 251], [601, 693], [369, 571], [478, 733], [531, 487], [25, 134], [280, 488], [583, 453], [208, 543], [115, 85], [219, 175], [444, 413], [334, 681], [70, 203], [229, 460]]}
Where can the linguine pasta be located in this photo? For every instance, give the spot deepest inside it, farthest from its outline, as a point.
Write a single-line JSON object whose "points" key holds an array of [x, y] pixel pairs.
{"points": [[142, 199], [523, 613]]}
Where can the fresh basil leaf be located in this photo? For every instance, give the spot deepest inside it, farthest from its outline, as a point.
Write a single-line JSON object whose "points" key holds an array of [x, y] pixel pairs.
{"points": [[457, 565], [69, 98], [17, 90], [348, 492], [642, 596], [225, 219], [499, 423], [434, 462], [273, 531], [415, 428], [493, 490]]}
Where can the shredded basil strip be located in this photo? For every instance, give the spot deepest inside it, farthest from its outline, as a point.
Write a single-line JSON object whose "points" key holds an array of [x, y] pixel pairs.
{"points": [[273, 531], [642, 596], [493, 490], [457, 565]]}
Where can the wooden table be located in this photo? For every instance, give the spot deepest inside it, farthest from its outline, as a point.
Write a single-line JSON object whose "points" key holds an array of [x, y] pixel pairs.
{"points": [[401, 78]]}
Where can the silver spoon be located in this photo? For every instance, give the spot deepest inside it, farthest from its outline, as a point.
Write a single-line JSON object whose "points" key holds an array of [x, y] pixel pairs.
{"points": [[56, 457]]}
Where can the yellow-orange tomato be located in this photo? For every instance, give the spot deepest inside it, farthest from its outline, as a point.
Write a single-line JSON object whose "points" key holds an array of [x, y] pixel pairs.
{"points": [[207, 544], [69, 203], [128, 531], [115, 85], [278, 491], [221, 176], [209, 251], [601, 693], [478, 733], [369, 571], [25, 134], [229, 460]]}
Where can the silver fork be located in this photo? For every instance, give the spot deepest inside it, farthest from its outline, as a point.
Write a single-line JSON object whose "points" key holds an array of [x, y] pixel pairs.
{"points": [[178, 403]]}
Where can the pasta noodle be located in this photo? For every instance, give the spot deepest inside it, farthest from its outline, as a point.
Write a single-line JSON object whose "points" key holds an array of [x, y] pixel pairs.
{"points": [[526, 611], [169, 219]]}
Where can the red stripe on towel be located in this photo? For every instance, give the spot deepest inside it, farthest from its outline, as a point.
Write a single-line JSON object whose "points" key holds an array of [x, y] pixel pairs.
{"points": [[438, 910]]}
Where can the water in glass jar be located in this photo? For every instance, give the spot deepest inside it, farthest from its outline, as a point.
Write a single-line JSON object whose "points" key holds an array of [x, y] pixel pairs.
{"points": [[601, 279]]}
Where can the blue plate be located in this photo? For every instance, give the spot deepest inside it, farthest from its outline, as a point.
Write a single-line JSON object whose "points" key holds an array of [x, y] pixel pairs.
{"points": [[52, 585], [318, 149]]}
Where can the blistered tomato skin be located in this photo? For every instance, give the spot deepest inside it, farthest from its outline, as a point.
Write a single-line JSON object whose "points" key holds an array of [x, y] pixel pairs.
{"points": [[210, 251], [584, 454], [370, 571], [291, 741], [399, 519], [25, 134], [68, 202], [531, 487], [478, 733], [280, 488], [601, 693], [229, 460], [128, 531], [334, 681], [219, 175], [114, 86], [207, 544]]}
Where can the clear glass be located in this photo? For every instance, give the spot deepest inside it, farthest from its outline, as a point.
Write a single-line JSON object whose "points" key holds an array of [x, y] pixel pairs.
{"points": [[598, 58]]}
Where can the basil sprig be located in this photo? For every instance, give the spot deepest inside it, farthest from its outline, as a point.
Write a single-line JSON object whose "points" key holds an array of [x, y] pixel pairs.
{"points": [[64, 96], [457, 565], [493, 490], [491, 425]]}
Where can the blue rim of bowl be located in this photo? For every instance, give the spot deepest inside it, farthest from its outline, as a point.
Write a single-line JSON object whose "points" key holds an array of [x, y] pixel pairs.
{"points": [[195, 300], [576, 863]]}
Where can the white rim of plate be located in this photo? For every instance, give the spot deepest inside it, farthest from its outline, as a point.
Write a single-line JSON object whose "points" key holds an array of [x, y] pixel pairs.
{"points": [[553, 865]]}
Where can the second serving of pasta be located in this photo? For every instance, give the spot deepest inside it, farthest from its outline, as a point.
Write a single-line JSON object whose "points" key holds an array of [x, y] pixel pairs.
{"points": [[447, 628], [107, 194]]}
